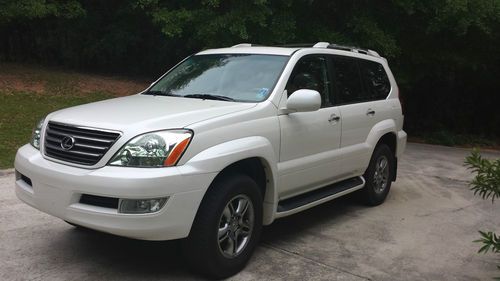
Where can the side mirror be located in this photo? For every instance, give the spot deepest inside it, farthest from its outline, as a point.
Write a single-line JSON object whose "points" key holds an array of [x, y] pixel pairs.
{"points": [[303, 101]]}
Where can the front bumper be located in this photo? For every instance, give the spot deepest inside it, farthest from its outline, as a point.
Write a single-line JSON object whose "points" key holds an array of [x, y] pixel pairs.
{"points": [[56, 190]]}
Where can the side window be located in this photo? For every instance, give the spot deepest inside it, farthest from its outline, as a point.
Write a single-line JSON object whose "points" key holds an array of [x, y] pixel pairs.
{"points": [[375, 79], [347, 80], [311, 72]]}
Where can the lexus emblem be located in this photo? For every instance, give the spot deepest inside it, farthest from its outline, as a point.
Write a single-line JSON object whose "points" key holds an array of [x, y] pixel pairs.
{"points": [[67, 142]]}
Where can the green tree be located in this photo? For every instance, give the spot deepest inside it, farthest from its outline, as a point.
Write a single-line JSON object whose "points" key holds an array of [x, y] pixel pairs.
{"points": [[17, 10], [444, 53]]}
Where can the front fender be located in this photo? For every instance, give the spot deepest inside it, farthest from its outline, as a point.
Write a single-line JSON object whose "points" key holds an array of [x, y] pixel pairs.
{"points": [[218, 157]]}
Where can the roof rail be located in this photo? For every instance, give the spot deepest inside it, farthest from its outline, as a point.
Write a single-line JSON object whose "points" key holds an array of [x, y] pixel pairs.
{"points": [[321, 45], [354, 49], [295, 45], [326, 45], [242, 45], [346, 48], [373, 53]]}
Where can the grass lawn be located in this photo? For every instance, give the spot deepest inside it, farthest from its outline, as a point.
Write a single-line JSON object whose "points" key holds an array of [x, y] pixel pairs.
{"points": [[29, 93]]}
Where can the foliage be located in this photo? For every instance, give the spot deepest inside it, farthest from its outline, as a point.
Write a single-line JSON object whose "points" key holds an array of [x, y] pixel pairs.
{"points": [[486, 183], [450, 138], [36, 9], [491, 242], [444, 53]]}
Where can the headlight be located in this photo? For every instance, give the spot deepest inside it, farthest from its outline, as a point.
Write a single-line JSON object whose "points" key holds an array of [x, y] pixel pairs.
{"points": [[156, 149], [36, 134]]}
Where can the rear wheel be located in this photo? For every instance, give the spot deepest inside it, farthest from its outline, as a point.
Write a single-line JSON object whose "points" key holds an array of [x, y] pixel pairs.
{"points": [[378, 176], [227, 227]]}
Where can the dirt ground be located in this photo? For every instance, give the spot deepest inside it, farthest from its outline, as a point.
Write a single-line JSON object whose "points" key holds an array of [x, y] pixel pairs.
{"points": [[18, 77]]}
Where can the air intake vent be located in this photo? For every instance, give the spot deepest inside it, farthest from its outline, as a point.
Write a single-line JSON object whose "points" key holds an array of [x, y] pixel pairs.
{"points": [[81, 145], [100, 201]]}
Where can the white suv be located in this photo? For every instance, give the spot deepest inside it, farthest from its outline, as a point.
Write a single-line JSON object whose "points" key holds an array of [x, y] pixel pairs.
{"points": [[226, 141]]}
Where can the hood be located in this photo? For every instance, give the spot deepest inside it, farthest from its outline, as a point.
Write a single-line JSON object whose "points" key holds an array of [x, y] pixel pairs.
{"points": [[146, 111]]}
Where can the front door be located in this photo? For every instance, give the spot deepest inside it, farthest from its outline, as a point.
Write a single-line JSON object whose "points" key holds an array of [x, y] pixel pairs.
{"points": [[309, 140]]}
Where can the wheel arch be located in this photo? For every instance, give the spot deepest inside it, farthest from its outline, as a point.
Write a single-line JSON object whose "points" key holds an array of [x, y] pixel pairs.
{"points": [[260, 171], [252, 156], [385, 132], [389, 139]]}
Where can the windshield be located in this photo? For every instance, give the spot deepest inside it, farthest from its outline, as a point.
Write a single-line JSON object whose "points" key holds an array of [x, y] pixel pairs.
{"points": [[230, 77]]}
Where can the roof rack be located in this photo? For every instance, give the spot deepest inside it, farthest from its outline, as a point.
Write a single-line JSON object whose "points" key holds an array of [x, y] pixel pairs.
{"points": [[321, 45], [242, 45], [354, 49], [346, 48], [295, 45], [326, 45]]}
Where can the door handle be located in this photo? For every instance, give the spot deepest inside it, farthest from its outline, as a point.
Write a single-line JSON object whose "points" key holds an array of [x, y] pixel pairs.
{"points": [[370, 112], [334, 117]]}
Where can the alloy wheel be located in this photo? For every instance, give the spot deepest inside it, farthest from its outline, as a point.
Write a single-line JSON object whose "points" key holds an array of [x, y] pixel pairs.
{"points": [[235, 226]]}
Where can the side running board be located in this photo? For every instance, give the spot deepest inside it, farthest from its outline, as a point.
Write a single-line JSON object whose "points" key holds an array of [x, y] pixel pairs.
{"points": [[313, 198]]}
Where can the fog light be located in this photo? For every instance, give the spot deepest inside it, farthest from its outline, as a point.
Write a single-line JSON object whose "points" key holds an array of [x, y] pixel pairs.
{"points": [[141, 206]]}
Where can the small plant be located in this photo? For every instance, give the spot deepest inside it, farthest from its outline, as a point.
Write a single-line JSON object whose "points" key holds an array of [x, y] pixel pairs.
{"points": [[486, 184], [491, 242]]}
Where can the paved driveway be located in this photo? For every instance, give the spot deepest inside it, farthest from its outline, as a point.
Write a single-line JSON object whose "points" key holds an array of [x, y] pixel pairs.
{"points": [[424, 231]]}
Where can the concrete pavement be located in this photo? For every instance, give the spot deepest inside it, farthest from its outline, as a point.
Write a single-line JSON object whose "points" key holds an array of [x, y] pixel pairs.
{"points": [[424, 231]]}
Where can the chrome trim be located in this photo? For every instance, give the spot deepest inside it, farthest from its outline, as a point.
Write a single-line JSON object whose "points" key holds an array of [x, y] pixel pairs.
{"points": [[44, 135], [86, 127]]}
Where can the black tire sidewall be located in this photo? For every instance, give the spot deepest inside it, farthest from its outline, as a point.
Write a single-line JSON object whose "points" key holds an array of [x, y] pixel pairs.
{"points": [[371, 197], [202, 249]]}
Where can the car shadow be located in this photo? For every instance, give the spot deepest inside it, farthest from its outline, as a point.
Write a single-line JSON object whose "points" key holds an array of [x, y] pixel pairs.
{"points": [[114, 257], [291, 227]]}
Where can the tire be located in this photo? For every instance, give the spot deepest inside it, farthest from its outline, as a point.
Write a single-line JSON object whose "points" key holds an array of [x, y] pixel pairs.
{"points": [[203, 250], [378, 180]]}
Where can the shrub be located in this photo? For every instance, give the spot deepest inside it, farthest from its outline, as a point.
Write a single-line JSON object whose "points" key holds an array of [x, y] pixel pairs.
{"points": [[486, 184]]}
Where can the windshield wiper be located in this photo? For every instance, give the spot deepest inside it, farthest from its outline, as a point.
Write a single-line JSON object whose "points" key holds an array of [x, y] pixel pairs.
{"points": [[209, 97], [161, 93], [194, 96]]}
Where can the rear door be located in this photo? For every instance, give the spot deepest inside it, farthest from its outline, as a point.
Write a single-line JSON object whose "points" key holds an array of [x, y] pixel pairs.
{"points": [[361, 87]]}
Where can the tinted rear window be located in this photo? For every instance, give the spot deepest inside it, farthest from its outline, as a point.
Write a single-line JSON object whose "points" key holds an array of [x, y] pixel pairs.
{"points": [[347, 80], [376, 82]]}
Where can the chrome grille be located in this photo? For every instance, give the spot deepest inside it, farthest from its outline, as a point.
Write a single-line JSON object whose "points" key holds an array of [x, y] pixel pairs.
{"points": [[75, 144]]}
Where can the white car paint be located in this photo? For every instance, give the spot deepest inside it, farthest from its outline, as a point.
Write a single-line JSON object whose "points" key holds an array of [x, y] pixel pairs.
{"points": [[300, 151], [315, 162]]}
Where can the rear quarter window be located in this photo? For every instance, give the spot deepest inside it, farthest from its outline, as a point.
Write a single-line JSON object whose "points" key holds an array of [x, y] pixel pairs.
{"points": [[375, 80]]}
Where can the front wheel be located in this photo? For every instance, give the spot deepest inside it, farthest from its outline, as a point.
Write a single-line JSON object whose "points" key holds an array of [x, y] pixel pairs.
{"points": [[378, 176], [227, 227]]}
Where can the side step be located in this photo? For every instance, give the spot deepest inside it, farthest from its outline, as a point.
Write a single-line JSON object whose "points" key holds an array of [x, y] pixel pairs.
{"points": [[310, 199]]}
